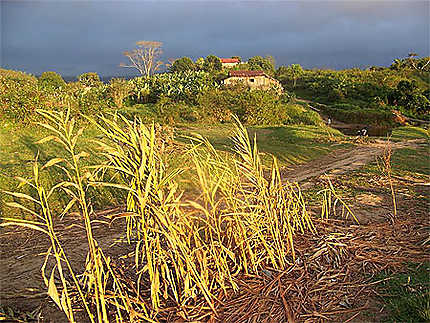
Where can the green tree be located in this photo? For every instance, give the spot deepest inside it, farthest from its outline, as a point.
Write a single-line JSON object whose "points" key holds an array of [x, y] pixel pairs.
{"points": [[212, 63], [199, 63], [51, 79], [89, 79], [292, 72], [260, 63], [408, 95], [295, 70], [182, 65]]}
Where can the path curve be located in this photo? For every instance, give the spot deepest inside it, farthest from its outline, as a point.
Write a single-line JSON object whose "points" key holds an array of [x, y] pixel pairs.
{"points": [[345, 160]]}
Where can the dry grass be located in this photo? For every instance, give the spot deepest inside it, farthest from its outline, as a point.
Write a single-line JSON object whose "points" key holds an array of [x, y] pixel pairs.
{"points": [[245, 250], [185, 251], [387, 170]]}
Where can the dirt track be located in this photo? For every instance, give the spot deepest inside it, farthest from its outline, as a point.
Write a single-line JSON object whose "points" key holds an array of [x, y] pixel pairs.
{"points": [[341, 161]]}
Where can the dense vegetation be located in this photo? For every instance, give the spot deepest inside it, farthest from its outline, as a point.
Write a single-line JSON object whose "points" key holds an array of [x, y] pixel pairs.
{"points": [[193, 91], [167, 98], [355, 93]]}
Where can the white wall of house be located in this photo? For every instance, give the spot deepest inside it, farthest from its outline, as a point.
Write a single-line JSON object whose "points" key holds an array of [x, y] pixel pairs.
{"points": [[229, 65], [252, 81]]}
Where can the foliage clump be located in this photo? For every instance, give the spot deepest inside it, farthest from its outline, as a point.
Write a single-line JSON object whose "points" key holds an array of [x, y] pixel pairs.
{"points": [[374, 91], [183, 64], [253, 106], [51, 80], [89, 79]]}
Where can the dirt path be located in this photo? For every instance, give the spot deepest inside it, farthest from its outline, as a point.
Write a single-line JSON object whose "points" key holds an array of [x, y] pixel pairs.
{"points": [[22, 254], [345, 160]]}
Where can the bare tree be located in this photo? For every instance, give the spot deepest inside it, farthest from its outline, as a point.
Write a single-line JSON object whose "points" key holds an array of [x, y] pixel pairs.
{"points": [[145, 57], [411, 58]]}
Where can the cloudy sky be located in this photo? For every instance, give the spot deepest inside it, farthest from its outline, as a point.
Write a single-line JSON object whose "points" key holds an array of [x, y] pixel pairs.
{"points": [[72, 37]]}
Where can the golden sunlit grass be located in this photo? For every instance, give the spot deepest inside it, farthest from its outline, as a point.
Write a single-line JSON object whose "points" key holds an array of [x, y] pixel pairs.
{"points": [[387, 170], [183, 250], [330, 200]]}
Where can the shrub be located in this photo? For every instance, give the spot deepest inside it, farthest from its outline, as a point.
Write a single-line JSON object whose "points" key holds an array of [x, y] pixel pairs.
{"points": [[183, 64], [296, 114], [252, 106], [170, 112], [118, 90], [89, 79], [184, 86], [87, 100], [19, 95], [212, 64], [287, 97], [51, 80], [259, 63], [362, 116]]}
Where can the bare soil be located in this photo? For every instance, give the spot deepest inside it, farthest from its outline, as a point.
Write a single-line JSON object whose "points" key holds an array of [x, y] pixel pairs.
{"points": [[344, 160]]}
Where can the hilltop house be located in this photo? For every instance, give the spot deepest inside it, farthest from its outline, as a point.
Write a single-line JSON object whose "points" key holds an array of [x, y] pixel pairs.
{"points": [[229, 62], [254, 79]]}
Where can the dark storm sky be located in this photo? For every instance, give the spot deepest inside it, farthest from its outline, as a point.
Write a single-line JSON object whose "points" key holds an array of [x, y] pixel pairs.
{"points": [[72, 37]]}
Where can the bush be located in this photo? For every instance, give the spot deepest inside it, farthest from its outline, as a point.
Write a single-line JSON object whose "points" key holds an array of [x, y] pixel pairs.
{"points": [[296, 114], [212, 64], [118, 90], [183, 64], [288, 97], [51, 80], [185, 86], [362, 116], [87, 100], [169, 112], [19, 95], [254, 107], [89, 79], [259, 63]]}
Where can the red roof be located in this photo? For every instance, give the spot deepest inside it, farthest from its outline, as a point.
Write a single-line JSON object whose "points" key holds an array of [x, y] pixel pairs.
{"points": [[229, 60], [246, 73]]}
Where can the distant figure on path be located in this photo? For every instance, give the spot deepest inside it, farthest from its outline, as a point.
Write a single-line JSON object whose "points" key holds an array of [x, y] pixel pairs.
{"points": [[362, 132], [329, 121]]}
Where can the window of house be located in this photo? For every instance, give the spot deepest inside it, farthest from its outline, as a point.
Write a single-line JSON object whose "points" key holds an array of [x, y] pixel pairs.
{"points": [[252, 80]]}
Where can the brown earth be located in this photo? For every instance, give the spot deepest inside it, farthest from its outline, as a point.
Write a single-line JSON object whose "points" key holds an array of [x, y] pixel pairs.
{"points": [[326, 284], [345, 160], [23, 252]]}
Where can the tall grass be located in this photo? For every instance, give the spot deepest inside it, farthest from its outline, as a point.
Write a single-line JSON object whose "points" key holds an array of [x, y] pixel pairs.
{"points": [[387, 169], [98, 274], [330, 200], [185, 251]]}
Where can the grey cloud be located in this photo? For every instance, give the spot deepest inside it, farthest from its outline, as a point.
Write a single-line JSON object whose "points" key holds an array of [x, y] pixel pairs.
{"points": [[75, 36]]}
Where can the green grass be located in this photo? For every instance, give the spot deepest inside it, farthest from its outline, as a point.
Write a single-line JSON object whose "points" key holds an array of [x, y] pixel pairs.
{"points": [[406, 162], [407, 295], [405, 133], [412, 162], [18, 150], [292, 144]]}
